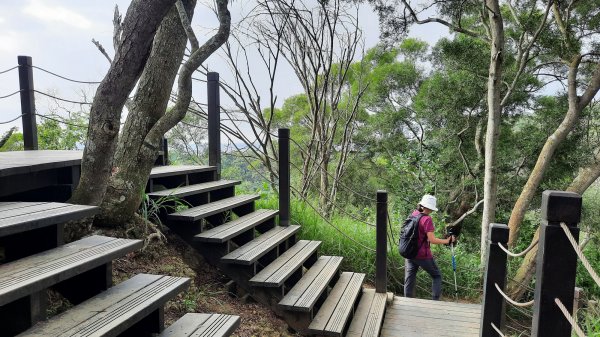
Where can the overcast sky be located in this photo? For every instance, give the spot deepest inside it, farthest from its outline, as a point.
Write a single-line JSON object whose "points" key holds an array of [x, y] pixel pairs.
{"points": [[57, 34]]}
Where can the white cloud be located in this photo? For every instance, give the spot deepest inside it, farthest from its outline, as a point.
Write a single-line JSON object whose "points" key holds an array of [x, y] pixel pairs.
{"points": [[9, 42], [56, 14], [2, 20]]}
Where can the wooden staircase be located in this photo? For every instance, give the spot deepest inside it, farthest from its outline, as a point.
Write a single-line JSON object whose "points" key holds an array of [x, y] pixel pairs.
{"points": [[266, 260], [35, 259]]}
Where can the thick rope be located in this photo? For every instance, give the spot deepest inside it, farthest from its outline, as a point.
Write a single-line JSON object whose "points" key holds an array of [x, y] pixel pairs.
{"points": [[509, 253], [582, 257], [569, 318], [497, 330], [62, 99], [7, 70], [7, 96], [511, 301]]}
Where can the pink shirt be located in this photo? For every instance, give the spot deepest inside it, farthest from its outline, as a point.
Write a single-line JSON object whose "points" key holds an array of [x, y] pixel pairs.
{"points": [[425, 226]]}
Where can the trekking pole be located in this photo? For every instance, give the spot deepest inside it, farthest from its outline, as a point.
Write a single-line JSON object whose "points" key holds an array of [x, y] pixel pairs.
{"points": [[454, 269]]}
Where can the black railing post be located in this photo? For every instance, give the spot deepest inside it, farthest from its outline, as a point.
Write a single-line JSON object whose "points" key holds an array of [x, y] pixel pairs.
{"points": [[165, 148], [30, 139], [493, 305], [214, 122], [284, 177], [556, 264], [381, 242]]}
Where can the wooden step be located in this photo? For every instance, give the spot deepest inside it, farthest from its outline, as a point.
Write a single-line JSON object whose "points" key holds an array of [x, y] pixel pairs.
{"points": [[17, 217], [278, 271], [184, 191], [175, 170], [115, 310], [37, 272], [368, 317], [203, 325], [203, 211], [305, 294], [257, 248], [337, 309], [231, 229]]}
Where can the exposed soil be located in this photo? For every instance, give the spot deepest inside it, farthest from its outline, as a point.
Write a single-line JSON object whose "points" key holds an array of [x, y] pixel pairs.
{"points": [[207, 293]]}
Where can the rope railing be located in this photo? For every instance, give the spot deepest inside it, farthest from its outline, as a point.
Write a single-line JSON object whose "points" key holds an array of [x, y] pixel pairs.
{"points": [[12, 120], [61, 121], [511, 254], [582, 257], [9, 95], [62, 99], [569, 318], [497, 330], [63, 77], [8, 70], [511, 301]]}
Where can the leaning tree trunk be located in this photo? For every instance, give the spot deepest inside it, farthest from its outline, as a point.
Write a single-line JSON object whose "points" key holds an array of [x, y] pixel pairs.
{"points": [[579, 185], [545, 157], [132, 165], [494, 86], [139, 26], [139, 148]]}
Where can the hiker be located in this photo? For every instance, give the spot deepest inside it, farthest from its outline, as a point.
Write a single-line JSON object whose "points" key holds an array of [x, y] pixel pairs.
{"points": [[424, 258]]}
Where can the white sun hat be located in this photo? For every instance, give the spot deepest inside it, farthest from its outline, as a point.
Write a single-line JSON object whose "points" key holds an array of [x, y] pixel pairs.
{"points": [[429, 201]]}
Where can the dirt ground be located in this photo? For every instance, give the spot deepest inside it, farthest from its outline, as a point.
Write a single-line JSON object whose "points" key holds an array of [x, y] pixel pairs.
{"points": [[208, 292]]}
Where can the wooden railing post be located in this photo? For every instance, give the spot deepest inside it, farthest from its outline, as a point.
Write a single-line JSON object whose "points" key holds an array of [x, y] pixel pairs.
{"points": [[30, 139], [381, 242], [214, 122], [165, 148], [556, 264], [284, 177], [493, 305]]}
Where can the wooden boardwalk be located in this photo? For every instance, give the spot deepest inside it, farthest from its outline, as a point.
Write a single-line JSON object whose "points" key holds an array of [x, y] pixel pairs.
{"points": [[411, 317]]}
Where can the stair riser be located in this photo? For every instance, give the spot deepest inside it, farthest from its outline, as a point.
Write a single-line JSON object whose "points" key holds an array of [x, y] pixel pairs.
{"points": [[295, 276], [173, 181]]}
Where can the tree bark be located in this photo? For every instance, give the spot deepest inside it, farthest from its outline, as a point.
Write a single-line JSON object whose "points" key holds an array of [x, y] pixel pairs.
{"points": [[139, 144], [493, 123], [139, 26], [584, 179], [576, 105]]}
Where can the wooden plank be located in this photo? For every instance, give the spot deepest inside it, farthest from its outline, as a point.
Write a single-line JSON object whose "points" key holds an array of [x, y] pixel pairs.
{"points": [[442, 314], [5, 206], [203, 325], [172, 170], [414, 301], [37, 272], [115, 310], [304, 295], [200, 212], [285, 265], [23, 219], [369, 315], [236, 227], [337, 308], [434, 305], [184, 191], [255, 249], [19, 162]]}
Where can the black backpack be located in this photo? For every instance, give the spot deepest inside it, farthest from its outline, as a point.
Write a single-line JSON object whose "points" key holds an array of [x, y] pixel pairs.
{"points": [[409, 237]]}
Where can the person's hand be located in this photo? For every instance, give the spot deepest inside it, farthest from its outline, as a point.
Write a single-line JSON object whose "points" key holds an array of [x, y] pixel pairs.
{"points": [[451, 239]]}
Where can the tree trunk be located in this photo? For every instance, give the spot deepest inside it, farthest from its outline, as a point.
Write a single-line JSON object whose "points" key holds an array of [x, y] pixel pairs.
{"points": [[139, 26], [585, 178], [493, 124], [545, 156], [132, 165], [138, 149]]}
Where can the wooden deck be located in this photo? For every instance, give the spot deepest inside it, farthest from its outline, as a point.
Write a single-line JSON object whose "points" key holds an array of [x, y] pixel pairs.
{"points": [[411, 317], [17, 162]]}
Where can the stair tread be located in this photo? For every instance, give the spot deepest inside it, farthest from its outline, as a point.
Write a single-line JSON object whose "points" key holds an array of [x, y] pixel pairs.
{"points": [[183, 191], [236, 227], [304, 295], [113, 311], [202, 211], [45, 269], [203, 325], [255, 249], [369, 315], [284, 266], [173, 170], [337, 308]]}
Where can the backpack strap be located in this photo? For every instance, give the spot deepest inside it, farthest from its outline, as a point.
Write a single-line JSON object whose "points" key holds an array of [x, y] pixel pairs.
{"points": [[419, 227]]}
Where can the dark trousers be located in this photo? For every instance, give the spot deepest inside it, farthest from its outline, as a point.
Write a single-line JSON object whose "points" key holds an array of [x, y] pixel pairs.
{"points": [[410, 277]]}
